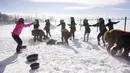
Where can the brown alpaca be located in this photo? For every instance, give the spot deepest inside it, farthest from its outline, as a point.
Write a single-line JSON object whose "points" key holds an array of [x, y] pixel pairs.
{"points": [[65, 35], [111, 36], [122, 42], [38, 34]]}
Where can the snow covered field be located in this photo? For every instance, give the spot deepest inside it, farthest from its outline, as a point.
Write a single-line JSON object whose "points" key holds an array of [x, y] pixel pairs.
{"points": [[78, 57]]}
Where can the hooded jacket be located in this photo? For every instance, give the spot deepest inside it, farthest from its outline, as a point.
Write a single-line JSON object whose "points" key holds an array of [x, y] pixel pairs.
{"points": [[18, 28]]}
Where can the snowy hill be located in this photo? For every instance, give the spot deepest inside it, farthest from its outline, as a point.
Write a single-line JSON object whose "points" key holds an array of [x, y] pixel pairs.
{"points": [[77, 57]]}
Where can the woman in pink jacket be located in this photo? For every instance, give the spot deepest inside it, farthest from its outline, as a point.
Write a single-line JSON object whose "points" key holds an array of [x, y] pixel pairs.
{"points": [[16, 32]]}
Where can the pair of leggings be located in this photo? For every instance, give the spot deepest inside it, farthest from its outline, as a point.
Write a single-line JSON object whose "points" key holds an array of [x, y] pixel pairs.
{"points": [[18, 40], [72, 32], [101, 34]]}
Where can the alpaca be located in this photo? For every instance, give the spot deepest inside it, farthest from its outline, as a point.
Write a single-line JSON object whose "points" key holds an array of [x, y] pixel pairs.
{"points": [[65, 35], [122, 42], [111, 36], [38, 34]]}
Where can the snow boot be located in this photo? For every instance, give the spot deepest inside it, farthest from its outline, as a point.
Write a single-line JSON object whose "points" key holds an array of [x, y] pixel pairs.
{"points": [[98, 43], [18, 51], [23, 47]]}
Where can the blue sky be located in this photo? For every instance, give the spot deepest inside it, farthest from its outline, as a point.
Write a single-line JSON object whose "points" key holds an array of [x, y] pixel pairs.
{"points": [[68, 7]]}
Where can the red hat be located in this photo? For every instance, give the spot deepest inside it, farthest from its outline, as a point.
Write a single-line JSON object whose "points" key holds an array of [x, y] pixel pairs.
{"points": [[21, 20]]}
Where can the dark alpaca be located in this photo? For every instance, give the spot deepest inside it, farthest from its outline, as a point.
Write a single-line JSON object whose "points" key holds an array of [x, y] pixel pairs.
{"points": [[122, 42], [111, 36], [38, 34], [65, 35]]}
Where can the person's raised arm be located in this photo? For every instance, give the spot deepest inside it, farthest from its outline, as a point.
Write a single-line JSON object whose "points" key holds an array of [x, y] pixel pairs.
{"points": [[97, 24], [115, 22], [107, 24], [68, 24], [58, 24], [28, 25]]}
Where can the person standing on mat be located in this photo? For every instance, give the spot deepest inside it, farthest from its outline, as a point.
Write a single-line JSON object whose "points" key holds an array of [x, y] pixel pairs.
{"points": [[17, 31]]}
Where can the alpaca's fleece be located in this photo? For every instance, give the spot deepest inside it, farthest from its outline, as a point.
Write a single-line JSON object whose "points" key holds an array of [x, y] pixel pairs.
{"points": [[38, 34], [65, 35], [122, 42], [111, 36]]}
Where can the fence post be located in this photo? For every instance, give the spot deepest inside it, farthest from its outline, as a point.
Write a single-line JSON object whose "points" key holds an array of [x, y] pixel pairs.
{"points": [[55, 22], [125, 24], [80, 23], [97, 22]]}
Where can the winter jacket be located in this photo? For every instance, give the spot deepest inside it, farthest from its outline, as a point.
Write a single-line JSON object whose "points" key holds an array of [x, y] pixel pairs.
{"points": [[36, 25], [101, 26], [72, 26], [87, 28], [47, 27], [18, 28], [110, 25], [62, 25]]}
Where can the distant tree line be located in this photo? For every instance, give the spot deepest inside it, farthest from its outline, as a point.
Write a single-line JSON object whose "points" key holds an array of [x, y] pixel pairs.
{"points": [[9, 19]]}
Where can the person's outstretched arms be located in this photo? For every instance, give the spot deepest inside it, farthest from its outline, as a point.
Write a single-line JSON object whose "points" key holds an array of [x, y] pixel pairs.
{"points": [[68, 24], [97, 24], [59, 25], [28, 25], [91, 25], [115, 22], [107, 24]]}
